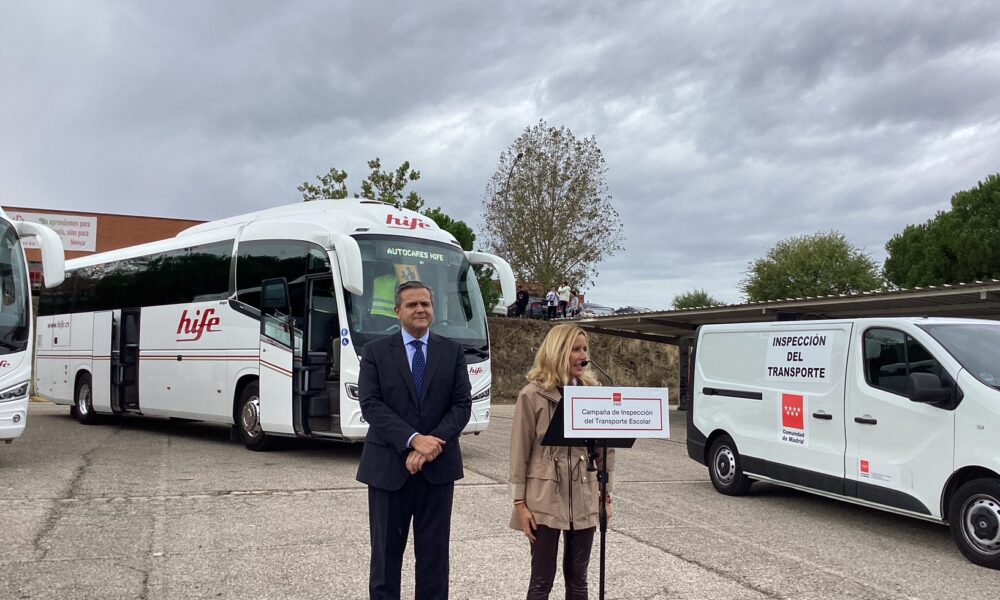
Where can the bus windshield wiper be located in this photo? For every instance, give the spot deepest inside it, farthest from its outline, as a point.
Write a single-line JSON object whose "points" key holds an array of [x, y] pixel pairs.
{"points": [[479, 351]]}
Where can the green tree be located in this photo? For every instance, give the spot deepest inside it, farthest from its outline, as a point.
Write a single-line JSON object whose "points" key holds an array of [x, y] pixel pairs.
{"points": [[462, 232], [379, 185], [956, 246], [331, 186], [812, 265], [547, 209], [696, 299], [389, 186]]}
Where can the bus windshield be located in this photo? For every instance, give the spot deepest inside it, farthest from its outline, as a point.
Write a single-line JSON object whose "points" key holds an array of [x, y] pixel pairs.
{"points": [[390, 260], [976, 346], [13, 293]]}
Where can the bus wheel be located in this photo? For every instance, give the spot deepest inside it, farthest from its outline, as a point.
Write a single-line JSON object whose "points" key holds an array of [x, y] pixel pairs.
{"points": [[974, 517], [724, 468], [85, 401], [251, 433]]}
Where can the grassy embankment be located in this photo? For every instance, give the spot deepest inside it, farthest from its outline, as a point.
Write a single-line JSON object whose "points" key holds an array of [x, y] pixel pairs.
{"points": [[629, 362]]}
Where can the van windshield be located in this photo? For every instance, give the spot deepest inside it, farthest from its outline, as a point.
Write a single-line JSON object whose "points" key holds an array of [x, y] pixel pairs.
{"points": [[976, 346]]}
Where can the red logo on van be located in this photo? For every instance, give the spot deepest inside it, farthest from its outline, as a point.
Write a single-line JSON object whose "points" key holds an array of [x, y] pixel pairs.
{"points": [[791, 412], [616, 398], [865, 469], [406, 222], [199, 324]]}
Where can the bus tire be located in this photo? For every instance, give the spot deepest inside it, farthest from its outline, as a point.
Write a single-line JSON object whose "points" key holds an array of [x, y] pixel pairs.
{"points": [[84, 396], [724, 468], [974, 519], [248, 421]]}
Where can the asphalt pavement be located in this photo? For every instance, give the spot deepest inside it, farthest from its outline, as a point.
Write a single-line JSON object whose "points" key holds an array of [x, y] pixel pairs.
{"points": [[153, 508]]}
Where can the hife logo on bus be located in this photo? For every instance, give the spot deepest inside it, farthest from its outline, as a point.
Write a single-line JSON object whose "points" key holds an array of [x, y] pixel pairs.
{"points": [[199, 324], [405, 222]]}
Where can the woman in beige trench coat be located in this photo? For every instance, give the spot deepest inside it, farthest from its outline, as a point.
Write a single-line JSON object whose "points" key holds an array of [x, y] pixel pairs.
{"points": [[552, 491]]}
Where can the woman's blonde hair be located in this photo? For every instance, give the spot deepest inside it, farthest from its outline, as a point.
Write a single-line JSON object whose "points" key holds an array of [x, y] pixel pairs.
{"points": [[551, 368]]}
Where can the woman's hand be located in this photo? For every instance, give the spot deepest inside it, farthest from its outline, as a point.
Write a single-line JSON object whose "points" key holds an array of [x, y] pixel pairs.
{"points": [[526, 520]]}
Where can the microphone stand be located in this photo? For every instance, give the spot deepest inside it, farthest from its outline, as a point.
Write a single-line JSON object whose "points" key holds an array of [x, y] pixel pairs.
{"points": [[602, 483]]}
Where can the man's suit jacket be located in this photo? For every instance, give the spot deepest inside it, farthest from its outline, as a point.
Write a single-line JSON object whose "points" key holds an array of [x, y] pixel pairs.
{"points": [[389, 404]]}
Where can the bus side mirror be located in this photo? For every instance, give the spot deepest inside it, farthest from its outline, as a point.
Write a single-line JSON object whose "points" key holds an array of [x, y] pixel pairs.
{"points": [[274, 296], [926, 388], [349, 259], [53, 258], [508, 288]]}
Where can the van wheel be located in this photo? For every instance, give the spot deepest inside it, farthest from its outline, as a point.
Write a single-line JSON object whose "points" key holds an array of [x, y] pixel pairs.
{"points": [[724, 468], [974, 516], [251, 433], [84, 404]]}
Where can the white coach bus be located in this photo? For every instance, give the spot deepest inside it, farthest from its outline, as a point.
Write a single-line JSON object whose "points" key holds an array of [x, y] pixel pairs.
{"points": [[16, 335], [257, 320]]}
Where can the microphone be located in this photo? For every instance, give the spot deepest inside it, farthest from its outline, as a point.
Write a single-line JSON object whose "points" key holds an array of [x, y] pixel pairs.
{"points": [[595, 365]]}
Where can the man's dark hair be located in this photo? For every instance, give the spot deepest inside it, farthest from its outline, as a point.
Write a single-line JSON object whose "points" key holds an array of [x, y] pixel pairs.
{"points": [[412, 285]]}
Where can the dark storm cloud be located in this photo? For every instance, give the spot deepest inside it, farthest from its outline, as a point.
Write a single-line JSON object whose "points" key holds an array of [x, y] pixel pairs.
{"points": [[726, 126]]}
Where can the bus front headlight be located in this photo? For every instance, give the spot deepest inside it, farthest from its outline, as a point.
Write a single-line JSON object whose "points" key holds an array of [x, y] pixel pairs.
{"points": [[482, 395], [14, 393]]}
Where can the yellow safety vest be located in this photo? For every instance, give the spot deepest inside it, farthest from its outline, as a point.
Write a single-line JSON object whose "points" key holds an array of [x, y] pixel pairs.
{"points": [[384, 295]]}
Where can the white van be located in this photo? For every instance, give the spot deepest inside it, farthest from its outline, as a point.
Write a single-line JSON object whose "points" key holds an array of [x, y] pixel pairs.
{"points": [[900, 414]]}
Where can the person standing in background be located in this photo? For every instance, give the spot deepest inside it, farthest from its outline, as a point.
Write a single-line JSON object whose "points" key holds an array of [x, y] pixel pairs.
{"points": [[564, 293], [521, 306], [551, 303]]}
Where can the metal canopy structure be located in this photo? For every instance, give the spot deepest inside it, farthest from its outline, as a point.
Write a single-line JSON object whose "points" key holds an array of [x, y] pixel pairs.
{"points": [[980, 299]]}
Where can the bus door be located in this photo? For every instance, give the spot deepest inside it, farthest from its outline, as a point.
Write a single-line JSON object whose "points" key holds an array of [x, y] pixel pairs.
{"points": [[318, 381], [125, 362], [101, 371], [278, 337]]}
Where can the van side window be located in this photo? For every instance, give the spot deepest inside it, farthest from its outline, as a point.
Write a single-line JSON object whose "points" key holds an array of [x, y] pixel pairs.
{"points": [[890, 357]]}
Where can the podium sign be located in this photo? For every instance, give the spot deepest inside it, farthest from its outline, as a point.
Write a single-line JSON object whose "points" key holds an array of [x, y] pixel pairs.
{"points": [[615, 412]]}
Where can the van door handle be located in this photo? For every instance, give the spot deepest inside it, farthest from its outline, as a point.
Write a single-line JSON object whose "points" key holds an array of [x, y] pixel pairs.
{"points": [[822, 415], [866, 420]]}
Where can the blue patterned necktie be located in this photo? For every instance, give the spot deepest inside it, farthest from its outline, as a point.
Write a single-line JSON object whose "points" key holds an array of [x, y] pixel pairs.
{"points": [[419, 365]]}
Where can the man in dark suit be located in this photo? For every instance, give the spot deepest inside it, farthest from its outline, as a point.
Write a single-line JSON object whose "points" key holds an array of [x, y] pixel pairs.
{"points": [[415, 395]]}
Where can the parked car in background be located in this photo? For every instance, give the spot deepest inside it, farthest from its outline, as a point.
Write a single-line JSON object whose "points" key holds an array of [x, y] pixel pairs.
{"points": [[589, 309], [534, 310], [630, 310]]}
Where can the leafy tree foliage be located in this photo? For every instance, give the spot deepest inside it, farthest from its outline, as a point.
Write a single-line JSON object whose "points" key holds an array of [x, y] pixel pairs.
{"points": [[812, 265], [388, 186], [696, 299], [331, 186], [956, 246], [379, 185], [462, 232], [547, 209]]}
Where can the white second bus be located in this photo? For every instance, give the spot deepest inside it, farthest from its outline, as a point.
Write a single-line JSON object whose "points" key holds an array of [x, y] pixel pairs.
{"points": [[256, 320], [16, 334]]}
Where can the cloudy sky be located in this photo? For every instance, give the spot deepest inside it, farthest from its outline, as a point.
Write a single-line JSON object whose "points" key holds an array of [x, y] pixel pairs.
{"points": [[726, 126]]}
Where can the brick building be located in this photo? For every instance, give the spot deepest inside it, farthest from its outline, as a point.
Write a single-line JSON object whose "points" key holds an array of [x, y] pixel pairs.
{"points": [[86, 233]]}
